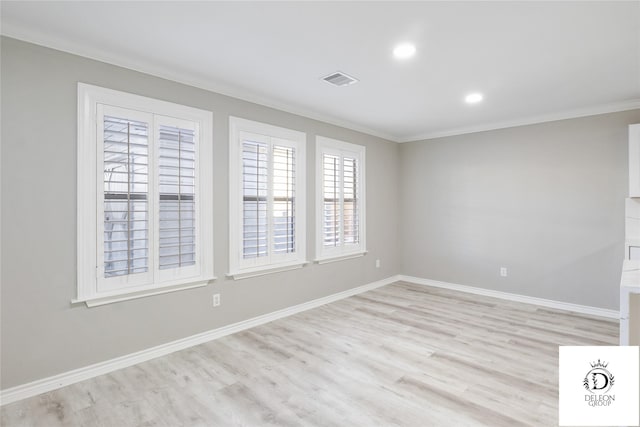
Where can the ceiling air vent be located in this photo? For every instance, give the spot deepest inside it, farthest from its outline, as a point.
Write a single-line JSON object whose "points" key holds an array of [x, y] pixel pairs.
{"points": [[340, 79]]}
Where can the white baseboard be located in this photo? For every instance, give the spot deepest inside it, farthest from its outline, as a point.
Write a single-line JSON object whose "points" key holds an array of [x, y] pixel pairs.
{"points": [[584, 309], [44, 385]]}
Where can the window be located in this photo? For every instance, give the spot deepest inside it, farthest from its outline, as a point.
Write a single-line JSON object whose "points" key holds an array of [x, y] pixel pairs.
{"points": [[267, 198], [340, 200], [144, 196]]}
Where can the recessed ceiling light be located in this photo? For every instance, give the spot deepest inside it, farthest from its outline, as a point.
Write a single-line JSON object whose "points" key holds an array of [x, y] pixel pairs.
{"points": [[404, 51], [473, 98]]}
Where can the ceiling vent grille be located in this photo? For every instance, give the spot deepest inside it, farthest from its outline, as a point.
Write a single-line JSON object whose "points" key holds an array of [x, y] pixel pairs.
{"points": [[340, 79]]}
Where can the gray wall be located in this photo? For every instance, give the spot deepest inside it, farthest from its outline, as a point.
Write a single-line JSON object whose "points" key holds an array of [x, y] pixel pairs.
{"points": [[42, 334], [546, 201]]}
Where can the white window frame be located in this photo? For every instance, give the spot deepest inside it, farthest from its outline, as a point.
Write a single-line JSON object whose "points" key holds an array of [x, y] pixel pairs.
{"points": [[342, 149], [240, 268], [91, 285]]}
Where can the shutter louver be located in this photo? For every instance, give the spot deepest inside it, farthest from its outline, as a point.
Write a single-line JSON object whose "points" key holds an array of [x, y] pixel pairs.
{"points": [[126, 213], [177, 156]]}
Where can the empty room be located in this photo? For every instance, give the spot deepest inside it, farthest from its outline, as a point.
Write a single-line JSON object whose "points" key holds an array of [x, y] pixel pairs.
{"points": [[366, 213]]}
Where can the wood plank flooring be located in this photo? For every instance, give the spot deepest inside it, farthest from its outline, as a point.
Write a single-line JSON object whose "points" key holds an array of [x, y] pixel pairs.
{"points": [[401, 355]]}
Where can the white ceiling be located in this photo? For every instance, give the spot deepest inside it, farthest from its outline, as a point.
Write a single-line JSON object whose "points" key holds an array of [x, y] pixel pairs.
{"points": [[533, 61]]}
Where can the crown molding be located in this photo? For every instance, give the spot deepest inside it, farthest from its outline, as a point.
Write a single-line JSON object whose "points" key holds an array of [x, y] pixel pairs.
{"points": [[146, 67], [614, 107], [38, 38]]}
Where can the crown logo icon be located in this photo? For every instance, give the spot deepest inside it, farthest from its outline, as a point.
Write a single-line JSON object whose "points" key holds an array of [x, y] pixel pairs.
{"points": [[599, 364]]}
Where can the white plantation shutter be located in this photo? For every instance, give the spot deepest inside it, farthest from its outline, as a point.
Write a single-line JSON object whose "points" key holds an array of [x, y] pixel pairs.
{"points": [[177, 197], [341, 201], [332, 218], [144, 204], [126, 194], [268, 198], [340, 176], [124, 205], [255, 179], [266, 206], [351, 200], [149, 198], [283, 207]]}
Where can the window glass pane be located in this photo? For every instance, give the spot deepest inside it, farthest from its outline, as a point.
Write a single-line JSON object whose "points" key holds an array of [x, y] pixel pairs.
{"points": [[126, 222], [283, 199], [254, 194], [177, 181]]}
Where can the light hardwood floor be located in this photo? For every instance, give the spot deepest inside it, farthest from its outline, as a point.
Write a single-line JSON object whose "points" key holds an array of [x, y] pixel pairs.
{"points": [[403, 354]]}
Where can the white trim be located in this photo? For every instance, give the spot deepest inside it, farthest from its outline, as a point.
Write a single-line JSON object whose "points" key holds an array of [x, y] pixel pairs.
{"points": [[270, 135], [262, 271], [595, 110], [89, 94], [625, 315], [86, 196], [239, 124], [54, 382], [327, 260], [14, 31], [44, 385], [560, 305], [10, 30], [121, 296], [341, 149], [92, 102], [625, 296]]}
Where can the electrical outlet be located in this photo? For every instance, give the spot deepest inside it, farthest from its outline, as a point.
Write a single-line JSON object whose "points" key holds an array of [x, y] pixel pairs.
{"points": [[216, 300], [503, 271], [377, 263]]}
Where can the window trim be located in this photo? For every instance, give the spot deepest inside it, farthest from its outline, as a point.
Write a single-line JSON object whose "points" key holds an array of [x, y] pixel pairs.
{"points": [[90, 99], [237, 126], [326, 145]]}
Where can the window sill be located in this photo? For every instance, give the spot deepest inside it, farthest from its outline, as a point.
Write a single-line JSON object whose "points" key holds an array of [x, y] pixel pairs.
{"points": [[125, 296], [262, 271], [337, 258]]}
